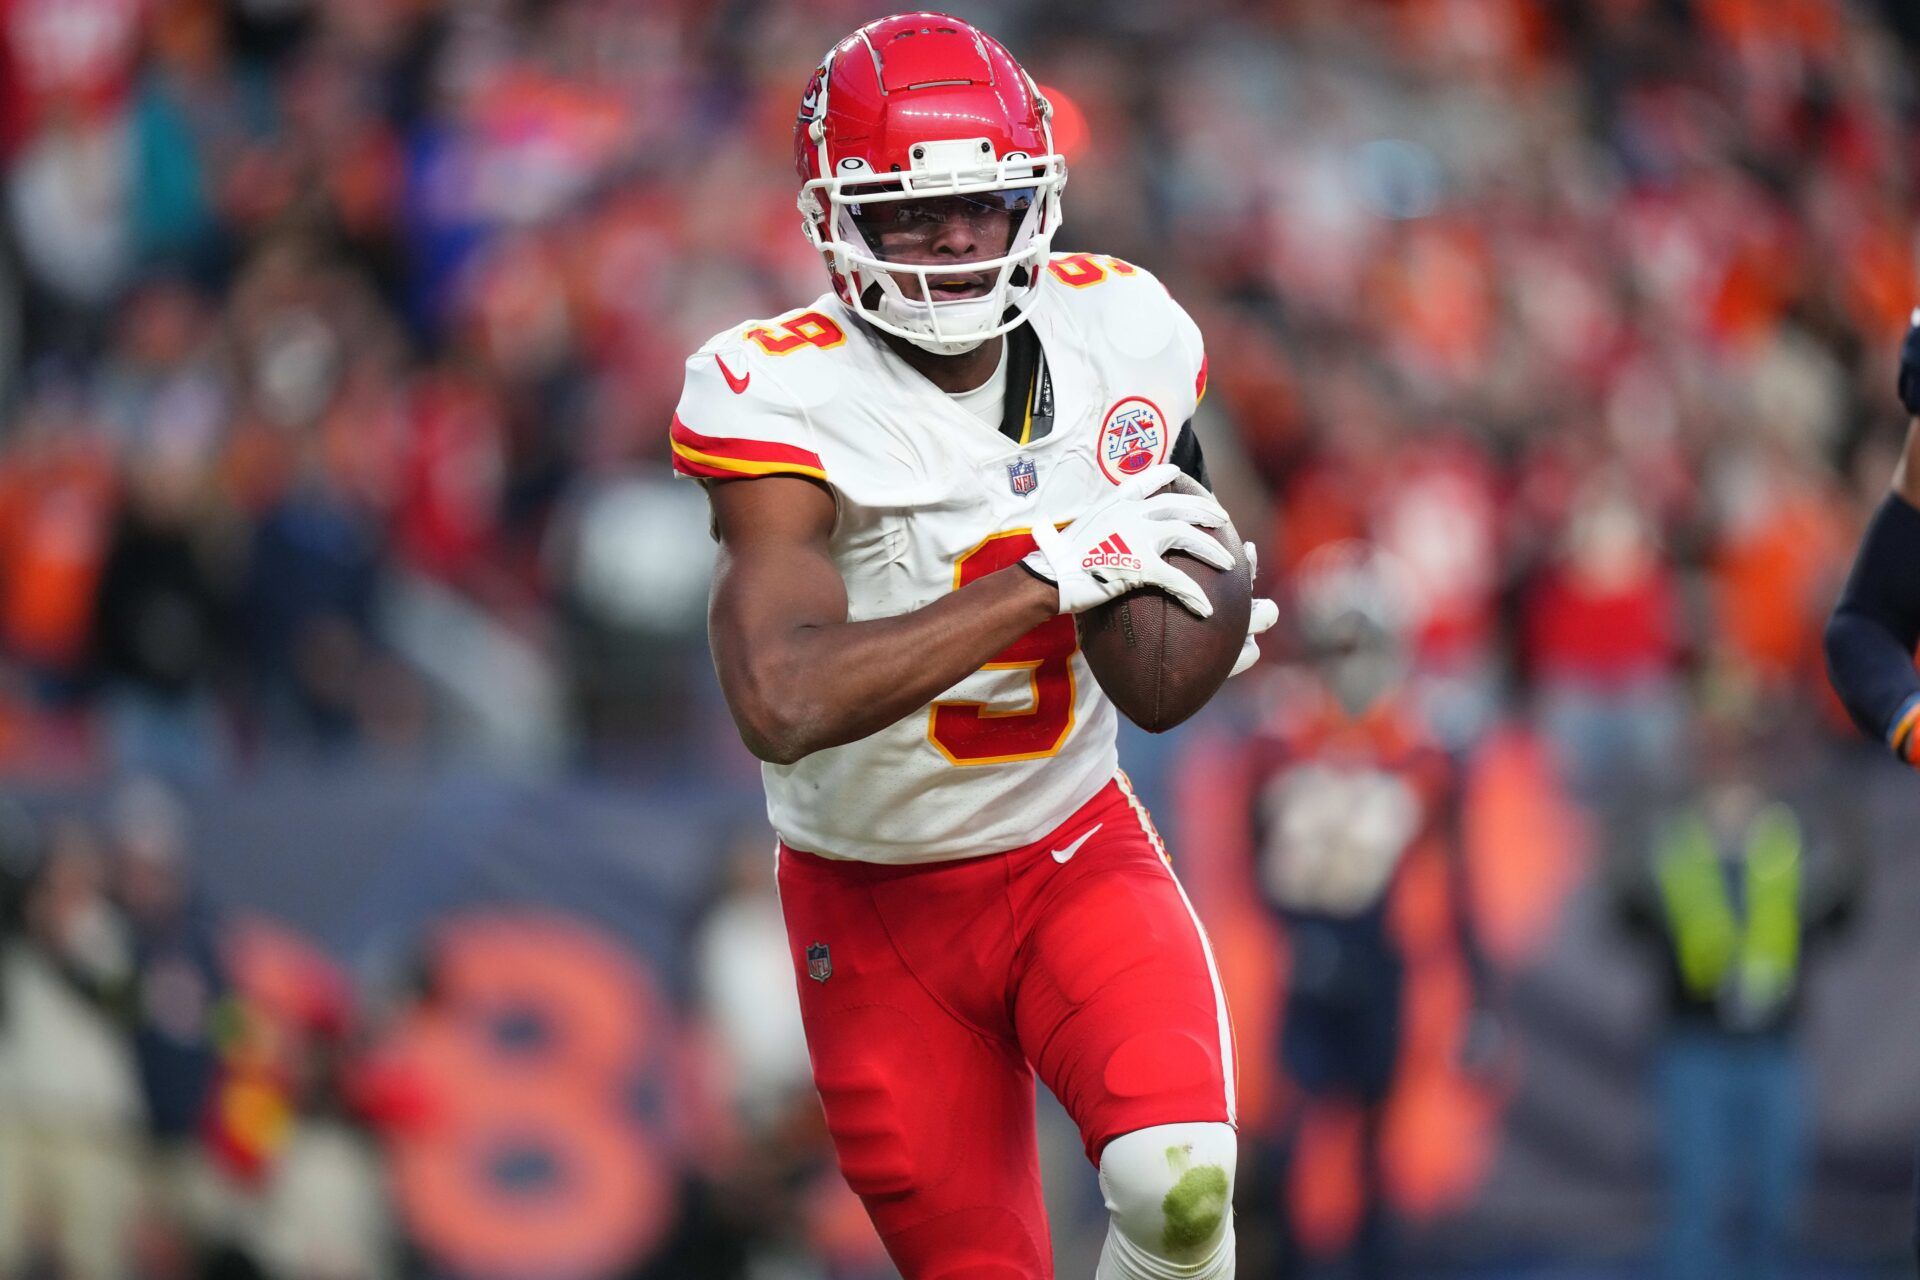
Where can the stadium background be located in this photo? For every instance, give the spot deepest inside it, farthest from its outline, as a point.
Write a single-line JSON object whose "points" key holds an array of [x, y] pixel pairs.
{"points": [[386, 893]]}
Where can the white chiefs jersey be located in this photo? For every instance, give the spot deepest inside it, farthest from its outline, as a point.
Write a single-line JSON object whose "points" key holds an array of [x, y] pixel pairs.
{"points": [[929, 499]]}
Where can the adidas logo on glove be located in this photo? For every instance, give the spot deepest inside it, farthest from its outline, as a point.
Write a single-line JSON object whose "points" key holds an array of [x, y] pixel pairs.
{"points": [[1112, 554]]}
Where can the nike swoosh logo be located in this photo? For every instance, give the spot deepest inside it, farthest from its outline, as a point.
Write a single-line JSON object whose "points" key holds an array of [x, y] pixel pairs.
{"points": [[1061, 855], [739, 385]]}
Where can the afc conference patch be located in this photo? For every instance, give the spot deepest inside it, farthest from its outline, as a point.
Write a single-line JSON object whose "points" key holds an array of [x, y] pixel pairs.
{"points": [[1133, 438], [819, 961], [1022, 478]]}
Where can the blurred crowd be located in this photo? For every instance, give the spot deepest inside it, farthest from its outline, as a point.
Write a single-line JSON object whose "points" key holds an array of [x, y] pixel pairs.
{"points": [[339, 341], [192, 1090], [170, 1098]]}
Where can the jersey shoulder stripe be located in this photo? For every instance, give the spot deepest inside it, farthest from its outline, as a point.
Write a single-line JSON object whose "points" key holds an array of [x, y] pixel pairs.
{"points": [[739, 416], [723, 458]]}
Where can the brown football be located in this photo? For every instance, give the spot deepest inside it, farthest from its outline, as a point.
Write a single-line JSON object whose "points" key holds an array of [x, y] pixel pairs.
{"points": [[1158, 662]]}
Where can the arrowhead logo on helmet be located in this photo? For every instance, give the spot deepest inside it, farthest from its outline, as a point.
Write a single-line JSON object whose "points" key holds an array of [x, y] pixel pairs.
{"points": [[911, 124], [815, 97]]}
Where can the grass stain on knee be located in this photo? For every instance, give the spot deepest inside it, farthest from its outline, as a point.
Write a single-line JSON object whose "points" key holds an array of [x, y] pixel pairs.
{"points": [[1195, 1207]]}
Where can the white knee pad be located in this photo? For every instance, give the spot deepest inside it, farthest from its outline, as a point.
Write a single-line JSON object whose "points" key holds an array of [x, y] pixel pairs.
{"points": [[1169, 1190]]}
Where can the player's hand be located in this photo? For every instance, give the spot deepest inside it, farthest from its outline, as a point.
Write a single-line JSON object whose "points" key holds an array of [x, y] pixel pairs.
{"points": [[1910, 365], [1122, 541], [1259, 622]]}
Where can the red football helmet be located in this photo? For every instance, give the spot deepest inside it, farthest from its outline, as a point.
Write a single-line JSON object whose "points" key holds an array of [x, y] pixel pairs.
{"points": [[921, 132]]}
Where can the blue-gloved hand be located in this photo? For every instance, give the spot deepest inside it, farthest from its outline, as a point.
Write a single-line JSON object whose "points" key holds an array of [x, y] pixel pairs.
{"points": [[1910, 366]]}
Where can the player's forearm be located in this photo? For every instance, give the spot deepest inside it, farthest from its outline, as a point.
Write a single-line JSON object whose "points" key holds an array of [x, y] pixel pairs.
{"points": [[1871, 637], [822, 685]]}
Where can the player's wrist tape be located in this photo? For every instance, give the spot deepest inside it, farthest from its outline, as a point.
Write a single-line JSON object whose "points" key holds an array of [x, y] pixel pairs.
{"points": [[1046, 542], [1046, 562], [1902, 736]]}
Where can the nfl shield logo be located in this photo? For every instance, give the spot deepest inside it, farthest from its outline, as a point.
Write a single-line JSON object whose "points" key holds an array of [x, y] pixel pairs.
{"points": [[1021, 476], [819, 961]]}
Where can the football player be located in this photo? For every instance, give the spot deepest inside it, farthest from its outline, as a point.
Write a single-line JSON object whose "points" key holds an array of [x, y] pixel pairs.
{"points": [[1349, 786], [917, 480], [1871, 637]]}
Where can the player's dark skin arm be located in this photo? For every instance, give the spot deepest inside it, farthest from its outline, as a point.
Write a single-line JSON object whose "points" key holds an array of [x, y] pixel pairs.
{"points": [[797, 675]]}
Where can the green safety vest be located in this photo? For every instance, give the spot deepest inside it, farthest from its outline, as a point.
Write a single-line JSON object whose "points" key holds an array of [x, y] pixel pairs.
{"points": [[1754, 961]]}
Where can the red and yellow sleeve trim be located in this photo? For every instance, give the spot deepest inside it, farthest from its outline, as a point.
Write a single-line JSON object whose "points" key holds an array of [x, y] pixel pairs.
{"points": [[723, 458], [1901, 739], [1200, 382]]}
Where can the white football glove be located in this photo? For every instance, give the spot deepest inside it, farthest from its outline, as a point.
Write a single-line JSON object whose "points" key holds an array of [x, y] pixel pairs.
{"points": [[1265, 614], [1121, 543]]}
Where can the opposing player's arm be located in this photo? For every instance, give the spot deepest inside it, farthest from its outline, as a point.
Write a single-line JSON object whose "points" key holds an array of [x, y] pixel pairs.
{"points": [[1875, 626], [798, 676], [1871, 636]]}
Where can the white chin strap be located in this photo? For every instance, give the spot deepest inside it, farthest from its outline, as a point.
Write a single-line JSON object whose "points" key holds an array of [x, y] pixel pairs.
{"points": [[913, 320]]}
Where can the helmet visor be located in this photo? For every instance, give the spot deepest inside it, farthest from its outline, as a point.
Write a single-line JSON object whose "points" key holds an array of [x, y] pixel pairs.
{"points": [[928, 242], [898, 226]]}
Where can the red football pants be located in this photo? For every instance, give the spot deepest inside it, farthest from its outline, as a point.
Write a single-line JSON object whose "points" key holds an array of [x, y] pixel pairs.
{"points": [[932, 993]]}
